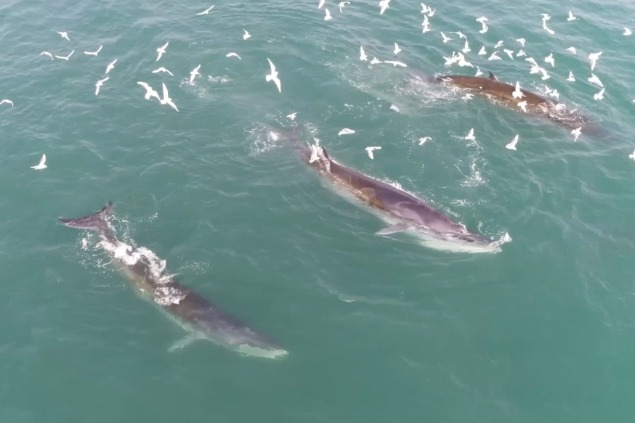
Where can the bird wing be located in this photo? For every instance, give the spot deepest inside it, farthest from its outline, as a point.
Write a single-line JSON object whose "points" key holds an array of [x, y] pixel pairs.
{"points": [[165, 91]]}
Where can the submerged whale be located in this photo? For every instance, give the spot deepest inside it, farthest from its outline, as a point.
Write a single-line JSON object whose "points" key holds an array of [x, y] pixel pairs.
{"points": [[200, 318], [536, 105], [402, 211]]}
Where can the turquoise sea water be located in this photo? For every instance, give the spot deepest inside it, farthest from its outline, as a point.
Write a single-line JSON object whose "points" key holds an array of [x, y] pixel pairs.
{"points": [[379, 329]]}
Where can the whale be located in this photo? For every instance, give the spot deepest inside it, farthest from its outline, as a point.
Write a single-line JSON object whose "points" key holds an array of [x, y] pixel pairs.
{"points": [[500, 93], [402, 211], [199, 317]]}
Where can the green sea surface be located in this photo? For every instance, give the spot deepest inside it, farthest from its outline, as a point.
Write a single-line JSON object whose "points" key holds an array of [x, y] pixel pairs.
{"points": [[378, 329]]}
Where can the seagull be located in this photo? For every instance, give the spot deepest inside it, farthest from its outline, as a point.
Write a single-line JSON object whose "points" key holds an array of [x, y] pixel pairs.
{"points": [[345, 131], [549, 59], [375, 61], [110, 66], [64, 35], [482, 20], [7, 101], [544, 24], [232, 54], [463, 62], [593, 58], [320, 4], [362, 55], [383, 4], [522, 105], [395, 63], [292, 116], [46, 53], [499, 44], [94, 53], [478, 71], [555, 94], [424, 140], [510, 53], [395, 108], [451, 60], [162, 69], [42, 164], [150, 92], [632, 155], [521, 41], [571, 78], [100, 83], [460, 34], [342, 4], [161, 50], [445, 38], [482, 51], [468, 96], [397, 49], [595, 80], [571, 17], [246, 35], [426, 25], [327, 15], [65, 57], [512, 144], [627, 32], [545, 75], [370, 150], [206, 11], [466, 49], [470, 135], [166, 98], [599, 95], [532, 61], [576, 133], [494, 56], [572, 50], [194, 73], [273, 76], [521, 53], [517, 92]]}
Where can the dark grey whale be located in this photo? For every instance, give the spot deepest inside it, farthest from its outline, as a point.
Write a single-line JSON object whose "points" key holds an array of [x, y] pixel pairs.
{"points": [[403, 211], [500, 93], [199, 317]]}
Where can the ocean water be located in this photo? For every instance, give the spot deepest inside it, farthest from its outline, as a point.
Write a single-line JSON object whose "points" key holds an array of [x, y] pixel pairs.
{"points": [[378, 329]]}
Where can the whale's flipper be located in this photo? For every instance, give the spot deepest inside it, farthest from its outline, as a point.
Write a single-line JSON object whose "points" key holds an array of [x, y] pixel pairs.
{"points": [[95, 222], [399, 227], [184, 342]]}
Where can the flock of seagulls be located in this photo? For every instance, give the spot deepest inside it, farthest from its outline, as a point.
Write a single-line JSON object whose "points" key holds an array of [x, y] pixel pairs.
{"points": [[457, 58]]}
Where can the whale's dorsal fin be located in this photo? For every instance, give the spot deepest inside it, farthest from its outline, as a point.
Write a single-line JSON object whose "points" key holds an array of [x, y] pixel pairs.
{"points": [[492, 77], [326, 154]]}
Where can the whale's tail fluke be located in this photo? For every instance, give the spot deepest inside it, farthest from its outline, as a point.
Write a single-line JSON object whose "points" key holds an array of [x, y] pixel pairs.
{"points": [[97, 222]]}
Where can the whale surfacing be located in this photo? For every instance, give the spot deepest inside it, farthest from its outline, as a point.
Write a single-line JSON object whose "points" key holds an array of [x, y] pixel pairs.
{"points": [[403, 211], [200, 318], [535, 105]]}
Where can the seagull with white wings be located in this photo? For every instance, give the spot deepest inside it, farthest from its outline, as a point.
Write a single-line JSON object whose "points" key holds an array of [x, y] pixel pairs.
{"points": [[94, 53], [166, 98], [42, 164], [150, 92], [99, 84], [273, 76], [161, 50]]}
